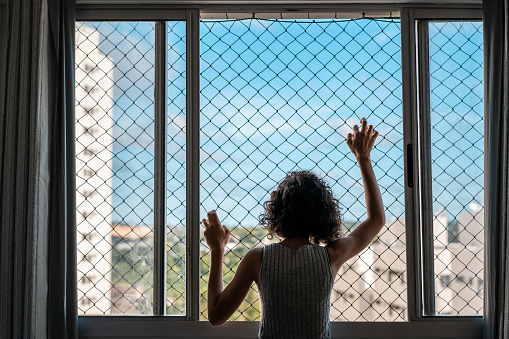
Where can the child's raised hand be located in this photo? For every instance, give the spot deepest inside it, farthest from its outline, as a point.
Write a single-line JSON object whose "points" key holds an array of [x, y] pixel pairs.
{"points": [[361, 141], [216, 235]]}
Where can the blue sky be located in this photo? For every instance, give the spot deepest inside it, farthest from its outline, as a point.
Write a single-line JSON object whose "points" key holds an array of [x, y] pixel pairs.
{"points": [[261, 82]]}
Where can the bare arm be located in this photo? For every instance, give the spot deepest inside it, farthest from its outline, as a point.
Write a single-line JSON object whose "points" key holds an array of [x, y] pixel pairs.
{"points": [[361, 143], [222, 303]]}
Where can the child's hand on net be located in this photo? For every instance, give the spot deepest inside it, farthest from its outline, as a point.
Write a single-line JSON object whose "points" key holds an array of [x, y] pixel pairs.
{"points": [[361, 141], [216, 235]]}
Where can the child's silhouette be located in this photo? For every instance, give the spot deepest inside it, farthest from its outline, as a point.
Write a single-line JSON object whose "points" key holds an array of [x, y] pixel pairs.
{"points": [[295, 276]]}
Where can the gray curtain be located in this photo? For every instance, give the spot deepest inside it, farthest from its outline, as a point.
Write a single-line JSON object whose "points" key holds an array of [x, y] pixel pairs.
{"points": [[37, 220], [62, 299], [496, 96], [24, 171]]}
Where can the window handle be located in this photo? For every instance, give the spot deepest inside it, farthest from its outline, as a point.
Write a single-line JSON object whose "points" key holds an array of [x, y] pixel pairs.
{"points": [[410, 165]]}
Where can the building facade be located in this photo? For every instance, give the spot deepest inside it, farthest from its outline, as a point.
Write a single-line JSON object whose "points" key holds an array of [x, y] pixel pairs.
{"points": [[94, 139]]}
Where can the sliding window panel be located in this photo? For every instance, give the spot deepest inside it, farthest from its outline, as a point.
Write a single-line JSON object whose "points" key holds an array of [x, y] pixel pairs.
{"points": [[176, 169], [115, 166], [457, 165], [282, 95]]}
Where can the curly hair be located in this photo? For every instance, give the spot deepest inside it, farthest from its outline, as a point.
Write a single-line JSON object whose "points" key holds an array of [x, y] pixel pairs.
{"points": [[303, 205]]}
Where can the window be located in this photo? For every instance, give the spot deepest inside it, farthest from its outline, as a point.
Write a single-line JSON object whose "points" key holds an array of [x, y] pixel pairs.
{"points": [[280, 95], [457, 162], [276, 94], [122, 72], [88, 279], [87, 172], [452, 124], [88, 236], [87, 214], [88, 194]]}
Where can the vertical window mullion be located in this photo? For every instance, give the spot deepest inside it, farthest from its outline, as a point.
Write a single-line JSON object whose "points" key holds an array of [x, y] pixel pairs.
{"points": [[410, 128], [160, 137], [425, 176], [193, 164]]}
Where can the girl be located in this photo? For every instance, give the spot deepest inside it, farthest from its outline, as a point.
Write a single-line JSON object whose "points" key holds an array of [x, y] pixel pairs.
{"points": [[295, 276]]}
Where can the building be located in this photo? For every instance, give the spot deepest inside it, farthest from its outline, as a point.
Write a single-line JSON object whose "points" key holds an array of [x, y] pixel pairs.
{"points": [[373, 286], [94, 139], [459, 265]]}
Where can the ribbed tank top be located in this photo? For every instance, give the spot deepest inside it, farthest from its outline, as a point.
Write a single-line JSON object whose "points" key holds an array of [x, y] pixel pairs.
{"points": [[295, 289]]}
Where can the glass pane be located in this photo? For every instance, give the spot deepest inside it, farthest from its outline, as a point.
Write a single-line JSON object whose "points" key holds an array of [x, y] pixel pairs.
{"points": [[114, 166], [176, 170], [457, 151], [281, 95]]}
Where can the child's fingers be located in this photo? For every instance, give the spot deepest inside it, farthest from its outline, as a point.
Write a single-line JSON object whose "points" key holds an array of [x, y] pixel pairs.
{"points": [[213, 218], [364, 123], [349, 141], [216, 218], [355, 129], [370, 129], [205, 223], [374, 135], [227, 233]]}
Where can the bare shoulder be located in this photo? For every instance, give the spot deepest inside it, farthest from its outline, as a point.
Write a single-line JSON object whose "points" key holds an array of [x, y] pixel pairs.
{"points": [[252, 262], [254, 254], [337, 253]]}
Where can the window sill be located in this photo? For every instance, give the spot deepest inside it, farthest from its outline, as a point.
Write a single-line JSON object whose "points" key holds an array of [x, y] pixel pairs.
{"points": [[165, 327]]}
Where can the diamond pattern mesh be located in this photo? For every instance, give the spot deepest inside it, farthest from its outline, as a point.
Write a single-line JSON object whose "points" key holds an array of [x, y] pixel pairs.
{"points": [[114, 166], [176, 169], [280, 95], [457, 151], [276, 95]]}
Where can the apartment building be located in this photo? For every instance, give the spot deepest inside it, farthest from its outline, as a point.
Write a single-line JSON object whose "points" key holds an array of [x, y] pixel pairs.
{"points": [[94, 139]]}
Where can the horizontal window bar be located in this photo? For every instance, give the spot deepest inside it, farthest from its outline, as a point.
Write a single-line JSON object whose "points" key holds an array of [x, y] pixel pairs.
{"points": [[127, 13], [448, 14], [300, 15]]}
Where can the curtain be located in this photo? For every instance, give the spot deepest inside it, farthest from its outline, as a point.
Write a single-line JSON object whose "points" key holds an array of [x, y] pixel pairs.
{"points": [[62, 306], [496, 96], [24, 171], [37, 219]]}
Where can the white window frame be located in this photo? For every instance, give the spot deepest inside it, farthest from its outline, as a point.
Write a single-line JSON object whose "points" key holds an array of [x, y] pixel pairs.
{"points": [[417, 182]]}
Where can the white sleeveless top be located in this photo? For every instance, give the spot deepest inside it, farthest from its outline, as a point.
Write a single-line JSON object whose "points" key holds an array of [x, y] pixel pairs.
{"points": [[295, 289]]}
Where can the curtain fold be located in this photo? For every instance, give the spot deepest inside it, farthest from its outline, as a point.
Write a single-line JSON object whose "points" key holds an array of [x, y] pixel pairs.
{"points": [[62, 307], [37, 190], [496, 96], [24, 172]]}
